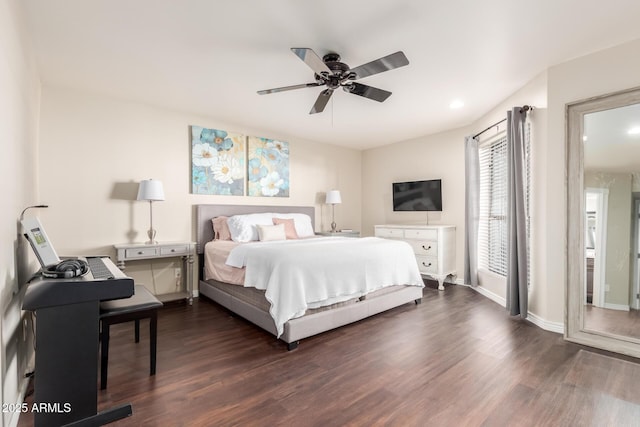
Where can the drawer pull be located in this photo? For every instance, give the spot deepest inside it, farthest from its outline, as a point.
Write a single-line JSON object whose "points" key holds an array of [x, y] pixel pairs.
{"points": [[426, 265], [173, 250], [140, 252], [427, 248]]}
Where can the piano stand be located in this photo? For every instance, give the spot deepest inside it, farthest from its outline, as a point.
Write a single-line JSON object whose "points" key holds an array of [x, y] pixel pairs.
{"points": [[67, 331], [66, 367], [104, 417]]}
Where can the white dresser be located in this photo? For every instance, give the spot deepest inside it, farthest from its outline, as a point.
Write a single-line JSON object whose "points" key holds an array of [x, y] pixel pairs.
{"points": [[433, 245]]}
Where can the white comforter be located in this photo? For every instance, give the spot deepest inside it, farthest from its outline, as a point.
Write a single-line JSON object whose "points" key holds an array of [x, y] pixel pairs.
{"points": [[309, 273]]}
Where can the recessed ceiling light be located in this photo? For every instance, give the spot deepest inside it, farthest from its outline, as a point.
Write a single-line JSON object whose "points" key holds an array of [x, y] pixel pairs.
{"points": [[455, 104], [634, 130]]}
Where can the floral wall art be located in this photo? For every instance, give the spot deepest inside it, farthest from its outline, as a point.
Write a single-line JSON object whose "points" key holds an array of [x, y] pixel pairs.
{"points": [[268, 167], [217, 162], [224, 163]]}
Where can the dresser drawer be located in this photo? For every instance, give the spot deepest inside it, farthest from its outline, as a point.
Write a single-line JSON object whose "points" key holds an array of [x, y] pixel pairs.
{"points": [[423, 247], [396, 233], [433, 247], [427, 264], [421, 234], [140, 253], [174, 250]]}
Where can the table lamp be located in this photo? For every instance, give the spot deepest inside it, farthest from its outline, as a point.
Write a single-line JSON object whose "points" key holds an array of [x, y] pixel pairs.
{"points": [[152, 191], [333, 199]]}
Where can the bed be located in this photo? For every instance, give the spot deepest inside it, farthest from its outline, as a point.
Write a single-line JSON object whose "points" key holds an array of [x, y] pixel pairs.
{"points": [[257, 306]]}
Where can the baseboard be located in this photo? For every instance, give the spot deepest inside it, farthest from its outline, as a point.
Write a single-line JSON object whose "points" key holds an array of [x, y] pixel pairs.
{"points": [[487, 293], [556, 327], [619, 307], [24, 386]]}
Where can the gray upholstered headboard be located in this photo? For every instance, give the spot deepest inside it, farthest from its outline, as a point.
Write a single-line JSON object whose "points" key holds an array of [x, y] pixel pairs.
{"points": [[204, 214]]}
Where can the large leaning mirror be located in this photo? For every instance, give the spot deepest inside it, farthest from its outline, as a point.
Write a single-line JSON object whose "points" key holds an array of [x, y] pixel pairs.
{"points": [[603, 222]]}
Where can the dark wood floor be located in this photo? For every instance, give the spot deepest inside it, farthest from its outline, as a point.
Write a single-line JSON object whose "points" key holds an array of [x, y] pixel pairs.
{"points": [[456, 359], [617, 322]]}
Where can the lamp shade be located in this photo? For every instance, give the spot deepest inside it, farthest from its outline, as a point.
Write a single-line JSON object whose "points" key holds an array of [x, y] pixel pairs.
{"points": [[333, 197], [150, 189]]}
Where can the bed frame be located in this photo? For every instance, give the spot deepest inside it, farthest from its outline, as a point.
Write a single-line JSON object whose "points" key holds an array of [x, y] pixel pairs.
{"points": [[301, 327]]}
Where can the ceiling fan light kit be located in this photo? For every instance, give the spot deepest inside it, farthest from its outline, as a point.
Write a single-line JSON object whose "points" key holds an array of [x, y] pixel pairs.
{"points": [[333, 74]]}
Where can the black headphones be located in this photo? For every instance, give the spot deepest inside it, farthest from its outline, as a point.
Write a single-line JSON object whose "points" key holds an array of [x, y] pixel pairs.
{"points": [[66, 269]]}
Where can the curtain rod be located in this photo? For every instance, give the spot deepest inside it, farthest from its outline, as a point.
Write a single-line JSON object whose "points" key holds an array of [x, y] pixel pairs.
{"points": [[523, 109]]}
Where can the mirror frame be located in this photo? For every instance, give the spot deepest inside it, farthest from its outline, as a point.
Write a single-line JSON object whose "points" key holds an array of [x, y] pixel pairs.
{"points": [[575, 254]]}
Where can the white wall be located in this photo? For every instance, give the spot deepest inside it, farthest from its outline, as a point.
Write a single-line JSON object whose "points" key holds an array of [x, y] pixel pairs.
{"points": [[19, 105], [442, 156], [439, 156], [600, 73], [94, 149], [533, 94]]}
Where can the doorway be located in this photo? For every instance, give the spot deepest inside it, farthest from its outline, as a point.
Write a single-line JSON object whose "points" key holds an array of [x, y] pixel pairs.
{"points": [[635, 254], [596, 206]]}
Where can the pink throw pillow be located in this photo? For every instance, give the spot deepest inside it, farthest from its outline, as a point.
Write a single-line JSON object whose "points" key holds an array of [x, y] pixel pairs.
{"points": [[289, 227], [221, 228]]}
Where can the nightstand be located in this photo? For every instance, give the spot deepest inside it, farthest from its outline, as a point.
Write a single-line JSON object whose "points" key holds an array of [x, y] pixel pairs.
{"points": [[339, 233], [142, 251]]}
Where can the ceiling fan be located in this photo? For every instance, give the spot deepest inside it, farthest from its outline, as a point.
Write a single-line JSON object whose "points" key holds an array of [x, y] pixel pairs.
{"points": [[332, 73]]}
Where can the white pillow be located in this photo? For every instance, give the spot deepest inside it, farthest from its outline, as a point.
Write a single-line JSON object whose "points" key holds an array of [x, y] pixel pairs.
{"points": [[243, 227], [271, 232], [302, 222]]}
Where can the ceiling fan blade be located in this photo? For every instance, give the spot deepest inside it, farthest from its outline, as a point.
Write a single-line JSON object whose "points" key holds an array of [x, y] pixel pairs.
{"points": [[389, 62], [312, 60], [322, 101], [282, 89], [367, 91]]}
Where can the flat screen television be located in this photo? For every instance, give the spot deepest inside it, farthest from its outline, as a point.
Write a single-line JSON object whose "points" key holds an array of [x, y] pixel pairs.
{"points": [[417, 195]]}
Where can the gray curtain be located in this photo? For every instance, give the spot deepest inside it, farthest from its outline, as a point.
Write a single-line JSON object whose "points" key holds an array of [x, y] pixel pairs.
{"points": [[517, 289], [472, 210]]}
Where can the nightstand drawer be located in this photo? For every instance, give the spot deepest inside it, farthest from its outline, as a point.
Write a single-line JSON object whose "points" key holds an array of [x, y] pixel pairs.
{"points": [[425, 248], [174, 250], [389, 232], [140, 252], [426, 264], [421, 234]]}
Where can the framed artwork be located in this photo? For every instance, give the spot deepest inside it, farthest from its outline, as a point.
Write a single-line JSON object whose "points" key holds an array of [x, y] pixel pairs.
{"points": [[217, 162], [267, 167]]}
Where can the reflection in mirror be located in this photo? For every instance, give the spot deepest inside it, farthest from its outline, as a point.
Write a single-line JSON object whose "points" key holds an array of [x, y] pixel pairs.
{"points": [[603, 223], [596, 201]]}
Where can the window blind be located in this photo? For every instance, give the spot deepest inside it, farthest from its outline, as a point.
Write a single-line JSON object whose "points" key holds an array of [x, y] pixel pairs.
{"points": [[492, 227], [527, 180], [492, 232]]}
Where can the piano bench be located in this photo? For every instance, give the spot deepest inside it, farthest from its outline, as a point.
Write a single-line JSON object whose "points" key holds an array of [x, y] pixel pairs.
{"points": [[141, 305]]}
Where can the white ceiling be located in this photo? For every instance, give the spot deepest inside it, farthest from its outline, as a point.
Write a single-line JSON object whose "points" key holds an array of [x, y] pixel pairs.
{"points": [[210, 57]]}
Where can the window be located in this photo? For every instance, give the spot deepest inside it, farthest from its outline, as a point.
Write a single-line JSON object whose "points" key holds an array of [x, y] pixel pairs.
{"points": [[527, 180], [492, 233]]}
